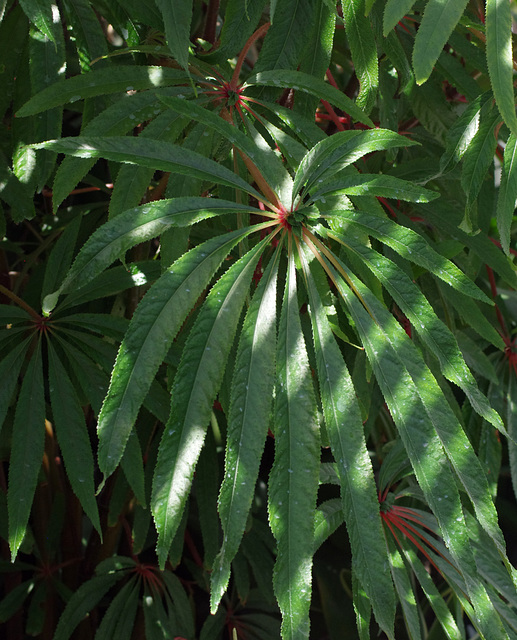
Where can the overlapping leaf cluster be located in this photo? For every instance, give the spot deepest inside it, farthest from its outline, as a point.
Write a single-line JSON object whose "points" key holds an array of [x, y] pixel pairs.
{"points": [[313, 288]]}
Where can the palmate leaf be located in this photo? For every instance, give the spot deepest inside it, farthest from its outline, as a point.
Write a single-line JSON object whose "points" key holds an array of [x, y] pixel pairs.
{"points": [[358, 491], [28, 440], [439, 19], [339, 151], [248, 420], [101, 82], [195, 386], [132, 227], [429, 430], [153, 327], [507, 193], [293, 482], [300, 81], [72, 436], [499, 57], [364, 51]]}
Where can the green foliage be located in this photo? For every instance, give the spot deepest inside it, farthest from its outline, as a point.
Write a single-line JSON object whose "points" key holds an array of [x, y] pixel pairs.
{"points": [[258, 283]]}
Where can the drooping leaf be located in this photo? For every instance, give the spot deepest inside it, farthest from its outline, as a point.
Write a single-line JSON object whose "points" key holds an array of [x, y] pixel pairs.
{"points": [[500, 59], [28, 441], [394, 12], [426, 424], [153, 327], [285, 39], [252, 389], [41, 13], [413, 247], [195, 385], [89, 38], [60, 258], [404, 590], [462, 133], [177, 17], [10, 366], [82, 601], [507, 193], [293, 481], [437, 337], [363, 50], [72, 436], [439, 19], [358, 492]]}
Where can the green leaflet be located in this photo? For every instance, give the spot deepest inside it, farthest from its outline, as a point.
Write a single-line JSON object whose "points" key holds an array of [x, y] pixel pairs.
{"points": [[414, 248], [155, 154], [89, 38], [432, 594], [317, 55], [195, 386], [285, 41], [132, 183], [439, 19], [507, 193], [60, 258], [293, 482], [358, 492], [82, 601], [500, 58], [10, 366], [364, 51], [273, 172], [300, 81], [101, 82], [477, 160], [340, 150], [404, 590], [250, 407], [72, 436], [372, 184], [426, 424], [153, 327], [462, 133], [40, 12], [119, 618], [394, 12], [117, 119], [434, 333], [28, 441], [132, 227], [177, 17]]}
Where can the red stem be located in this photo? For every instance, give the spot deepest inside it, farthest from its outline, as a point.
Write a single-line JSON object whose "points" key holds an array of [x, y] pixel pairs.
{"points": [[259, 33]]}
